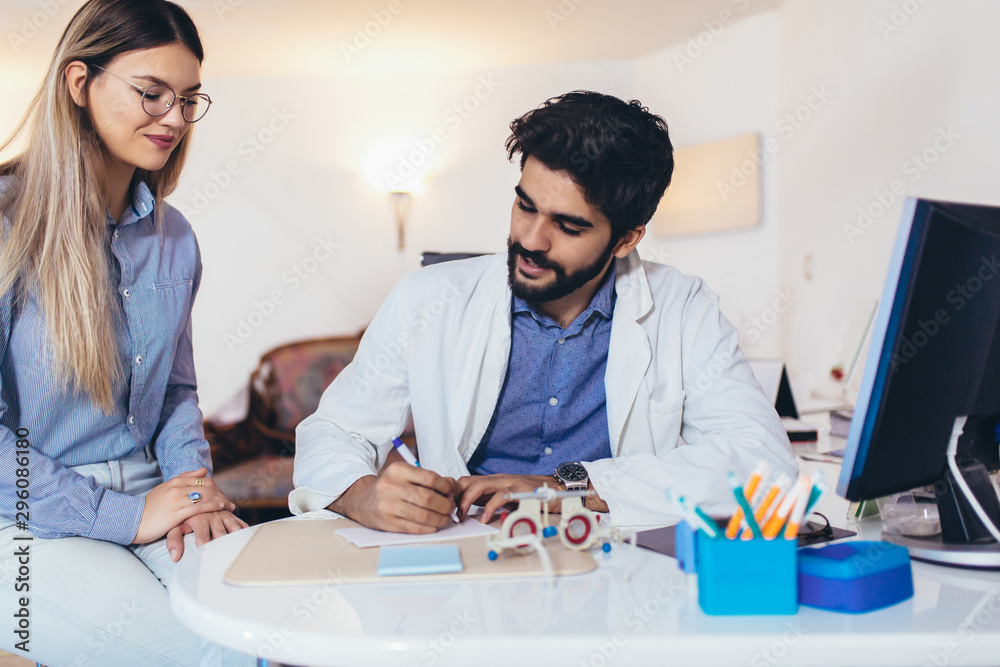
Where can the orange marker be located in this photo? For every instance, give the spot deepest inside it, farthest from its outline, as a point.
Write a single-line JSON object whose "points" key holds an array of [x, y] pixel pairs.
{"points": [[778, 517], [798, 514], [760, 512], [750, 488]]}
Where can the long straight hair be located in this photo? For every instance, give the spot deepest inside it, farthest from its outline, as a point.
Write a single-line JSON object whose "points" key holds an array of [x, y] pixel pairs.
{"points": [[55, 235]]}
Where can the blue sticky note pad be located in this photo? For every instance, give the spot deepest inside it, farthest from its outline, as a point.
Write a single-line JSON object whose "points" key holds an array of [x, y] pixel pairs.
{"points": [[423, 559]]}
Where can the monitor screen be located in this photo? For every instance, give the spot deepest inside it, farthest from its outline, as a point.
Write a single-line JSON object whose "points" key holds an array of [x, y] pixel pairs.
{"points": [[935, 353]]}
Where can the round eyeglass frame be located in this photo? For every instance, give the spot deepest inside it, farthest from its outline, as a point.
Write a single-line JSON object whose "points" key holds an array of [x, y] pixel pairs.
{"points": [[170, 104]]}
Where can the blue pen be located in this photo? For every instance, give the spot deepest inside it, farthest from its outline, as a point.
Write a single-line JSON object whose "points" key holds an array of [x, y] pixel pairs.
{"points": [[405, 452]]}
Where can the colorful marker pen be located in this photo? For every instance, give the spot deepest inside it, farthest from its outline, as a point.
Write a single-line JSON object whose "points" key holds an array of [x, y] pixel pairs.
{"points": [[818, 489], [746, 513], [760, 512], [707, 524], [748, 489], [693, 520], [798, 514], [777, 521]]}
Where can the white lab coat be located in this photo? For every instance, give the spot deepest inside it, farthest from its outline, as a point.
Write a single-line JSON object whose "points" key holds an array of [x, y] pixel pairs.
{"points": [[683, 405]]}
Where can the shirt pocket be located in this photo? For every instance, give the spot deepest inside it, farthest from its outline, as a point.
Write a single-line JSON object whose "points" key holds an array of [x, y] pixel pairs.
{"points": [[665, 419], [170, 284], [171, 305]]}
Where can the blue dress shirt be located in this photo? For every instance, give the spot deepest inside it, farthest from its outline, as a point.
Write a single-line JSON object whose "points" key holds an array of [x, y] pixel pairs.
{"points": [[156, 273], [552, 407]]}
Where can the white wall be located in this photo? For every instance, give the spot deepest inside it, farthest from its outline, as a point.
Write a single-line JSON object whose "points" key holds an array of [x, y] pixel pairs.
{"points": [[717, 86], [893, 92]]}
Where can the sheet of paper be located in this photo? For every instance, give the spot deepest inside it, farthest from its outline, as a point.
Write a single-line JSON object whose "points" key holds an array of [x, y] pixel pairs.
{"points": [[366, 537]]}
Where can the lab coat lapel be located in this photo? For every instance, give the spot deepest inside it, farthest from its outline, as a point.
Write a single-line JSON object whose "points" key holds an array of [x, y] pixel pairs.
{"points": [[496, 356], [629, 352]]}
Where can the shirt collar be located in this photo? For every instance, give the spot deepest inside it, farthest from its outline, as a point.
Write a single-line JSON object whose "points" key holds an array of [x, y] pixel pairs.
{"points": [[143, 204], [602, 303]]}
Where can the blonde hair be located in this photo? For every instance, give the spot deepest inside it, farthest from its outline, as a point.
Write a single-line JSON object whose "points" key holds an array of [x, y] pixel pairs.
{"points": [[55, 232]]}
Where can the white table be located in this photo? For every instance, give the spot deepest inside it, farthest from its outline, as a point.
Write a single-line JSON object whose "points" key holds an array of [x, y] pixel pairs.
{"points": [[596, 619]]}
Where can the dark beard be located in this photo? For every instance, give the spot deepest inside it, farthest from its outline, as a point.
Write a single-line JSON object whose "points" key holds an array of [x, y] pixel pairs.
{"points": [[563, 285]]}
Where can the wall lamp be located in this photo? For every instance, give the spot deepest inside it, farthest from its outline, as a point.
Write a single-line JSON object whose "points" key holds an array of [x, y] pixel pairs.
{"points": [[401, 202]]}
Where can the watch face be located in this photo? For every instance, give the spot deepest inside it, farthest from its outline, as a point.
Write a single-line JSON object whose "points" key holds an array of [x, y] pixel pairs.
{"points": [[573, 472]]}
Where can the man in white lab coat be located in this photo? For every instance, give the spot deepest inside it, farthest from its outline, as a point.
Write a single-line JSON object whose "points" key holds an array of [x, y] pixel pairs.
{"points": [[566, 361]]}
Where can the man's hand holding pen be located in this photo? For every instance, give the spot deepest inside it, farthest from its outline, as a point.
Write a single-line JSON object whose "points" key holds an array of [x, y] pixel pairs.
{"points": [[402, 499]]}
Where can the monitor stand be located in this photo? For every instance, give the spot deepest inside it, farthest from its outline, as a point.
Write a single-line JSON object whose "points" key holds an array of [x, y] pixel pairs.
{"points": [[934, 549], [969, 543]]}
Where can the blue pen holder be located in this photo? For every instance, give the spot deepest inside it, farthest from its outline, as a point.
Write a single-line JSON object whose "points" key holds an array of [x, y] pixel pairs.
{"points": [[753, 577]]}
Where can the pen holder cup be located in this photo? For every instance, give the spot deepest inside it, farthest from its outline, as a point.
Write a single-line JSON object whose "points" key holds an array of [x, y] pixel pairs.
{"points": [[753, 577]]}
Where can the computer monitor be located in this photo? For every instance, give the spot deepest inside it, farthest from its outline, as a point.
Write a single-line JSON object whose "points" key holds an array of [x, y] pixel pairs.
{"points": [[934, 359]]}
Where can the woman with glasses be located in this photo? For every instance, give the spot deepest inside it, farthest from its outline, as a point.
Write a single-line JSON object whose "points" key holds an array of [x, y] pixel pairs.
{"points": [[103, 465]]}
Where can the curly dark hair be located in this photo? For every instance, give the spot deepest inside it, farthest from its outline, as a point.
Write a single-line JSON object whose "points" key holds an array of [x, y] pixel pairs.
{"points": [[617, 151]]}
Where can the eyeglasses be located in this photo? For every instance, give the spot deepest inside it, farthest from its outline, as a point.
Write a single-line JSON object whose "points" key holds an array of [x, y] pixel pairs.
{"points": [[813, 533], [158, 100]]}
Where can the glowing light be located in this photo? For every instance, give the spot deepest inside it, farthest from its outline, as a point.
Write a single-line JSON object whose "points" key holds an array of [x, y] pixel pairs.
{"points": [[400, 165]]}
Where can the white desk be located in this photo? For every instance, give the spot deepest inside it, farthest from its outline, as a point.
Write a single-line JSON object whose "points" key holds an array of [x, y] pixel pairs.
{"points": [[590, 620]]}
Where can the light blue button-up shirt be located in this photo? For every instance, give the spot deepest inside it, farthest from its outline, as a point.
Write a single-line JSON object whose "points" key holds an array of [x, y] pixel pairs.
{"points": [[553, 406], [156, 273]]}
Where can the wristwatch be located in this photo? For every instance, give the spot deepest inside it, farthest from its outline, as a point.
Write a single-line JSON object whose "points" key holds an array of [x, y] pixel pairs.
{"points": [[572, 475]]}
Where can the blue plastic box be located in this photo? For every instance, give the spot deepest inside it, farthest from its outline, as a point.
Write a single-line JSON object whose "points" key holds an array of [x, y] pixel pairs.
{"points": [[753, 577], [854, 577]]}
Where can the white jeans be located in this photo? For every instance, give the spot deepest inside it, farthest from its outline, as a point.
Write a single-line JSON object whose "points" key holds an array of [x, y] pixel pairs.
{"points": [[95, 603]]}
